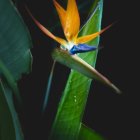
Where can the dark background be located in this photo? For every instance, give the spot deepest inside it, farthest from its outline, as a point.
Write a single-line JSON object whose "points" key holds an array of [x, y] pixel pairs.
{"points": [[111, 115]]}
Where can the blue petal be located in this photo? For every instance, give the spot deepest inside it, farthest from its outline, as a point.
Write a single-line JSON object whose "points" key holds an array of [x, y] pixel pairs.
{"points": [[81, 48]]}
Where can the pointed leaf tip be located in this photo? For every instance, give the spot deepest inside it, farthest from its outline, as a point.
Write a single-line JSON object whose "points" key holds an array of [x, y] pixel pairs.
{"points": [[117, 90]]}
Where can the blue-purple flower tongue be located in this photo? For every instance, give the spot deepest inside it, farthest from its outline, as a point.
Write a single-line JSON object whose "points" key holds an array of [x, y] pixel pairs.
{"points": [[81, 48]]}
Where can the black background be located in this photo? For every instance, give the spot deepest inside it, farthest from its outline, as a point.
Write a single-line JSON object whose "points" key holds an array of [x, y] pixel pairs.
{"points": [[113, 116]]}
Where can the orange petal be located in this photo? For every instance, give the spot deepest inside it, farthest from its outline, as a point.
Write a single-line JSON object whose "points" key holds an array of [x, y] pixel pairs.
{"points": [[61, 12], [72, 20], [46, 31], [87, 38]]}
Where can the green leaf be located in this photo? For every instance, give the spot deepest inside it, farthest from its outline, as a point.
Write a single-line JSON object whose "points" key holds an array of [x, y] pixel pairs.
{"points": [[9, 123], [15, 44], [71, 108], [15, 59], [15, 41], [88, 134]]}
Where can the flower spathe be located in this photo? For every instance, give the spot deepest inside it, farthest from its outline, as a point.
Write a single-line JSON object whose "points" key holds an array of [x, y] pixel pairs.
{"points": [[70, 22]]}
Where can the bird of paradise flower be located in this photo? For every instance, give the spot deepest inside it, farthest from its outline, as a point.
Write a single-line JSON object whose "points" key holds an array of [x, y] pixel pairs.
{"points": [[74, 44]]}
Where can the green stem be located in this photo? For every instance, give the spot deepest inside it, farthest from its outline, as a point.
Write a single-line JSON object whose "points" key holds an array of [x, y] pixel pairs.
{"points": [[48, 87]]}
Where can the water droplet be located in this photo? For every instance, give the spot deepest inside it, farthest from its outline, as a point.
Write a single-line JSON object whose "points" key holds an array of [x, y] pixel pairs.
{"points": [[75, 100]]}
